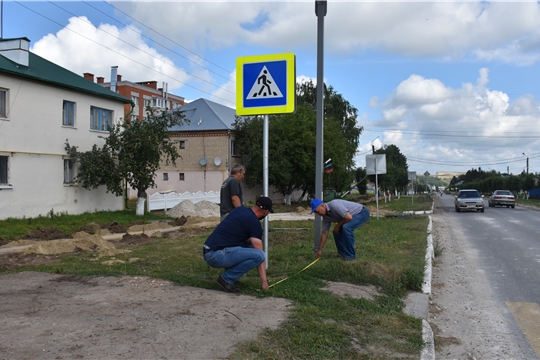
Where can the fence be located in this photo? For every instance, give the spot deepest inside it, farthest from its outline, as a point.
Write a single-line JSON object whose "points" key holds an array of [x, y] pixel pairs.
{"points": [[165, 200]]}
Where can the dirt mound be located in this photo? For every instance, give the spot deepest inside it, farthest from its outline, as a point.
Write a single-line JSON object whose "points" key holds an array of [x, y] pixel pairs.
{"points": [[179, 221], [187, 208], [147, 227], [129, 239], [111, 228], [47, 234], [81, 242], [303, 211], [201, 222]]}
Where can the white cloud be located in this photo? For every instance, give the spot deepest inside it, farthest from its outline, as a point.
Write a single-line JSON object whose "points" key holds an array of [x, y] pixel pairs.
{"points": [[472, 123], [226, 94], [507, 31], [83, 47]]}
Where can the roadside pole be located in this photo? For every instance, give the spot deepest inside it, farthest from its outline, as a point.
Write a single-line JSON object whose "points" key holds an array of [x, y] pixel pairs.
{"points": [[320, 12]]}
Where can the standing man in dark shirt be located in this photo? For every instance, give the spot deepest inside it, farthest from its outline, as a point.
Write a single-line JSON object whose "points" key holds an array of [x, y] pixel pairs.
{"points": [[348, 215], [236, 244], [231, 195]]}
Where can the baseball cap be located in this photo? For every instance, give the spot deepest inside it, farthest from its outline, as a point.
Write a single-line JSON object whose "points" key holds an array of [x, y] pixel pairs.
{"points": [[265, 203], [314, 204]]}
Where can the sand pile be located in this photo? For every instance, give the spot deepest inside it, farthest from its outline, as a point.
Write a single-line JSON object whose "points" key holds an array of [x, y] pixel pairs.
{"points": [[187, 208], [81, 242]]}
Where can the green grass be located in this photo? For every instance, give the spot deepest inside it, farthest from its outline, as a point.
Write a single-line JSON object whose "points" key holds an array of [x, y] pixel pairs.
{"points": [[530, 202], [15, 228], [406, 203], [390, 255]]}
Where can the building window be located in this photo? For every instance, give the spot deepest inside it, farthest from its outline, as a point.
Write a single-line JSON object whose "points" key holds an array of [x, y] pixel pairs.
{"points": [[182, 144], [165, 176], [181, 177], [135, 99], [69, 171], [3, 103], [4, 179], [100, 119], [160, 103], [68, 113], [234, 148], [147, 103]]}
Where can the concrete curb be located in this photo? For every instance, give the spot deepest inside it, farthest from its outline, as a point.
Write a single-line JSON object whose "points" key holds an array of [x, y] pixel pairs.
{"points": [[428, 353], [417, 304], [536, 208]]}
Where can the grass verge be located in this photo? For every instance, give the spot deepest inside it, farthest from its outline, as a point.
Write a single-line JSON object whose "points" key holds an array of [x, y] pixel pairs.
{"points": [[15, 228], [390, 255], [530, 202], [406, 203]]}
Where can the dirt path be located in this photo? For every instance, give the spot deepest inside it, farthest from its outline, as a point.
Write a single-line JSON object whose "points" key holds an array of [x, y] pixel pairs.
{"points": [[467, 322], [46, 316]]}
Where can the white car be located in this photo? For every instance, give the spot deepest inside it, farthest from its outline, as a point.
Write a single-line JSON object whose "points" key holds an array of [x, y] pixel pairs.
{"points": [[469, 199], [502, 198]]}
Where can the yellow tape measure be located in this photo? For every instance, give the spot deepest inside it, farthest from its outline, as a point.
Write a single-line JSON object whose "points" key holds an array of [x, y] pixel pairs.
{"points": [[317, 259]]}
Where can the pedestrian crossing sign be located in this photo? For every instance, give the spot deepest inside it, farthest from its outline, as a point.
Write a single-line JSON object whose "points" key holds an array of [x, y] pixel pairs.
{"points": [[266, 84]]}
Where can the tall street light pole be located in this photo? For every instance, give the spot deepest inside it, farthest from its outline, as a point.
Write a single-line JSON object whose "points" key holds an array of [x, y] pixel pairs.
{"points": [[527, 162], [320, 11]]}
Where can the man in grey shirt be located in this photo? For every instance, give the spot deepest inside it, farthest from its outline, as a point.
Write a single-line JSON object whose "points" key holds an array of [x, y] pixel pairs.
{"points": [[348, 215], [231, 195]]}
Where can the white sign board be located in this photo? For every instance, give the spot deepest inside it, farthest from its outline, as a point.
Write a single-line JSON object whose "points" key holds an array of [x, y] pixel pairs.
{"points": [[377, 161], [412, 175]]}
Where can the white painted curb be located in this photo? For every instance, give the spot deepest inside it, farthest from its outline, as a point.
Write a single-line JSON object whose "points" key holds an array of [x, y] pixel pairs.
{"points": [[428, 352]]}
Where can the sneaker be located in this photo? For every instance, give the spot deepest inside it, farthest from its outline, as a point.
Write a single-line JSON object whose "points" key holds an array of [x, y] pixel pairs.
{"points": [[226, 286], [348, 259]]}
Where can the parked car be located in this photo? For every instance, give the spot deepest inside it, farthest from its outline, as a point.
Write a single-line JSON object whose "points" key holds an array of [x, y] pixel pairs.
{"points": [[502, 198], [469, 199]]}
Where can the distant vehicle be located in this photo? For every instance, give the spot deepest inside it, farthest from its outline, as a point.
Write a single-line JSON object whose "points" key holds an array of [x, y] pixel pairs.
{"points": [[469, 199], [502, 198]]}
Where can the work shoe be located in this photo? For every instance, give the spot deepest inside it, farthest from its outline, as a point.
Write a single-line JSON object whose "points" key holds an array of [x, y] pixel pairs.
{"points": [[226, 286]]}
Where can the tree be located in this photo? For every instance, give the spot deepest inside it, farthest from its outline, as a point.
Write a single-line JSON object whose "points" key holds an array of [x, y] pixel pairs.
{"points": [[292, 141], [528, 182], [396, 177], [132, 153], [361, 180]]}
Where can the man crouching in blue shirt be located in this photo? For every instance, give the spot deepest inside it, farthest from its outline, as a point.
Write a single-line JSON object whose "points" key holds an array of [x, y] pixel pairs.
{"points": [[348, 215], [236, 244]]}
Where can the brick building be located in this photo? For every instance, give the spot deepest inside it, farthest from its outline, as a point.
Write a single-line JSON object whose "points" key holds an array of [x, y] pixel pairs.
{"points": [[143, 94]]}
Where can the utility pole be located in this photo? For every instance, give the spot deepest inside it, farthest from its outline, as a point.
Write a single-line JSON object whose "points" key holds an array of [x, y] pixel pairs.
{"points": [[527, 162], [320, 12]]}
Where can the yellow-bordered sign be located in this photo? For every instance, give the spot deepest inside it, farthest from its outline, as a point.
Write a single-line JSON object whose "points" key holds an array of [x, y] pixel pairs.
{"points": [[266, 84]]}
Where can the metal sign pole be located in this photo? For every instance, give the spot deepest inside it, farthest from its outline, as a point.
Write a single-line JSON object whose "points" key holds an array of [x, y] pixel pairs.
{"points": [[320, 11], [265, 182], [377, 188]]}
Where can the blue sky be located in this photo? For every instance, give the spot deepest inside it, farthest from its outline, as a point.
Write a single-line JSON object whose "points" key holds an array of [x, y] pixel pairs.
{"points": [[453, 84]]}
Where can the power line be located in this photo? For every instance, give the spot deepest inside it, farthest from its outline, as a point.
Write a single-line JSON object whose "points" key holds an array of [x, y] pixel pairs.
{"points": [[200, 57], [165, 47], [485, 163], [494, 136], [147, 53], [170, 77]]}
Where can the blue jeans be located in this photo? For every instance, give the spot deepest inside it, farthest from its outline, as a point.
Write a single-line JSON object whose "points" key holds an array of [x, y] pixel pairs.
{"points": [[345, 237], [236, 260]]}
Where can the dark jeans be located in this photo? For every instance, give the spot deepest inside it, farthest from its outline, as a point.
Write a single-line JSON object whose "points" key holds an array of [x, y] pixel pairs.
{"points": [[236, 260], [345, 237]]}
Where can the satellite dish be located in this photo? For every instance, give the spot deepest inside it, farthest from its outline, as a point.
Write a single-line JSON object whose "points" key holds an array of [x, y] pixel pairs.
{"points": [[202, 161], [217, 161]]}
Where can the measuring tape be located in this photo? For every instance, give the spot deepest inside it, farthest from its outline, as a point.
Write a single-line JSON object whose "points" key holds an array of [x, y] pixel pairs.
{"points": [[317, 259]]}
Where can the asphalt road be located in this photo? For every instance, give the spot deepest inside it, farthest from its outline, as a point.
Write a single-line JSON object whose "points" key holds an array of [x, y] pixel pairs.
{"points": [[508, 251]]}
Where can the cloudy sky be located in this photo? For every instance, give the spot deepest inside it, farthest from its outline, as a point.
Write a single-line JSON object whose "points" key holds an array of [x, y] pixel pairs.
{"points": [[455, 85]]}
